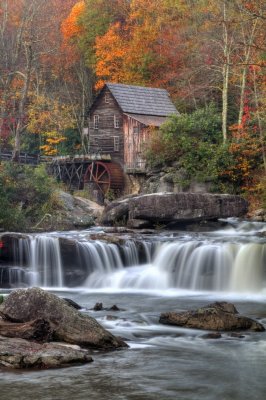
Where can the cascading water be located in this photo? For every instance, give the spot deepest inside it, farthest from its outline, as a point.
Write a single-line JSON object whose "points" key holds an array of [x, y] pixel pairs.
{"points": [[145, 275], [214, 262], [45, 262]]}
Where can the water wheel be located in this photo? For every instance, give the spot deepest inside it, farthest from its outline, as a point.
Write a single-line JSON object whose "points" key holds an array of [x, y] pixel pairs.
{"points": [[105, 176]]}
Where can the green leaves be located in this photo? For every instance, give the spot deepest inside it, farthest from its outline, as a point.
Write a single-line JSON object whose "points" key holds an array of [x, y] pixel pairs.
{"points": [[25, 192], [193, 141]]}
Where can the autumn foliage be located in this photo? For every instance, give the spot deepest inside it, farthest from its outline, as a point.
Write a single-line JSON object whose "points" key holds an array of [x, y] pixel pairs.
{"points": [[70, 26], [56, 55]]}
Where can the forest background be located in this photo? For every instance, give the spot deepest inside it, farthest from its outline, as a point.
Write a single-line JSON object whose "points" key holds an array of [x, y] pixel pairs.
{"points": [[210, 56]]}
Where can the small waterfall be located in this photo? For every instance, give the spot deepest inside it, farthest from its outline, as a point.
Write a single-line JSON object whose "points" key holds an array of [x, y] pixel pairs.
{"points": [[45, 262], [12, 276], [193, 265], [196, 265], [249, 271], [99, 260], [206, 264]]}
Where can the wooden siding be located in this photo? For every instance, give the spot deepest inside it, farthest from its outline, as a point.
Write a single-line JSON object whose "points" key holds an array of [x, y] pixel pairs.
{"points": [[135, 137], [107, 138]]}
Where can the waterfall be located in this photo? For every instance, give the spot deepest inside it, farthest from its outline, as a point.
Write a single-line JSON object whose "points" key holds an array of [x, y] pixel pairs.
{"points": [[249, 272], [45, 262], [159, 263]]}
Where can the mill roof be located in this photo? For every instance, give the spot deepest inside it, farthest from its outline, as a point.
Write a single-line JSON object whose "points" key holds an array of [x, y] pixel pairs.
{"points": [[142, 100]]}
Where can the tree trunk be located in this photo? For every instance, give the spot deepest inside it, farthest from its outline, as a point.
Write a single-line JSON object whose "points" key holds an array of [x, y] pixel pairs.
{"points": [[245, 70], [225, 75], [21, 112], [261, 133]]}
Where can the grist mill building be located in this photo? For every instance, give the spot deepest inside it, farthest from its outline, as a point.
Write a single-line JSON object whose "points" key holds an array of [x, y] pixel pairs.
{"points": [[119, 126], [120, 118]]}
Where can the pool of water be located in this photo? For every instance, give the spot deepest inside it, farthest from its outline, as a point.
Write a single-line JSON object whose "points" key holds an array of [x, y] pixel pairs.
{"points": [[162, 362]]}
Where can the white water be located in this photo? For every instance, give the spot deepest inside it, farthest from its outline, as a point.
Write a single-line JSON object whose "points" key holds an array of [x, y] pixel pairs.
{"points": [[45, 265], [223, 261], [194, 266], [144, 277]]}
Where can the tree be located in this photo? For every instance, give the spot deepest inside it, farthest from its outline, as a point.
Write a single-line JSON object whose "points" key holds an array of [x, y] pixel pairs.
{"points": [[49, 119], [140, 49], [28, 29]]}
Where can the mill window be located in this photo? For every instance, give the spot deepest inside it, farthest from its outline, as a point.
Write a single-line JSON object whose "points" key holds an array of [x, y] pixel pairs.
{"points": [[116, 121], [96, 119], [116, 143]]}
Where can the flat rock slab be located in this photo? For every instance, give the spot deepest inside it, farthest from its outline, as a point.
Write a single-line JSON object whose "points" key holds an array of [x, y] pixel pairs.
{"points": [[174, 208], [219, 316], [20, 354], [66, 323]]}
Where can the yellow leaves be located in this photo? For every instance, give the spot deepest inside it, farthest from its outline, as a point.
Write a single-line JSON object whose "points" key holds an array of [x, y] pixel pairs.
{"points": [[50, 148], [49, 118]]}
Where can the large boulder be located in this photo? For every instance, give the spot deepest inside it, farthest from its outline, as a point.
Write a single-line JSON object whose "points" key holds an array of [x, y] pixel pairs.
{"points": [[68, 324], [19, 353], [77, 211], [219, 316], [175, 208]]}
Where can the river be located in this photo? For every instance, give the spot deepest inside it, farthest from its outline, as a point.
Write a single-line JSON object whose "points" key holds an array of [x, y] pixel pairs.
{"points": [[169, 271]]}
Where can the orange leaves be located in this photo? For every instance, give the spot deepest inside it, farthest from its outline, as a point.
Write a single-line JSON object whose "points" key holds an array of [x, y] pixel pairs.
{"points": [[139, 50], [245, 152], [70, 27], [111, 51], [71, 30]]}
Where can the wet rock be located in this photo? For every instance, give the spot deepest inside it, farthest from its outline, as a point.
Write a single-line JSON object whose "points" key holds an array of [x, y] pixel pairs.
{"points": [[114, 308], [98, 307], [67, 323], [72, 303], [219, 316], [38, 330], [111, 318], [108, 238], [237, 335], [138, 223], [212, 335], [20, 353]]}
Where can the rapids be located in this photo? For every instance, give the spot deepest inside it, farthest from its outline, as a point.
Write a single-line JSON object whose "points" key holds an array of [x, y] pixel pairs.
{"points": [[145, 275]]}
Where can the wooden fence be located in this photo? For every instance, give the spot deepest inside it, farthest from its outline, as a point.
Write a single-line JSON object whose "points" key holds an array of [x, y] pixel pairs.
{"points": [[24, 158]]}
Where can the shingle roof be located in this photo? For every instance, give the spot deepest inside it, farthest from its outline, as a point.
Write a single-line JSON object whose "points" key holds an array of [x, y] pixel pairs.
{"points": [[148, 120], [142, 100]]}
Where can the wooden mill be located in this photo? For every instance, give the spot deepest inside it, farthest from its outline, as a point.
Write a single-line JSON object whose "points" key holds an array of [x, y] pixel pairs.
{"points": [[119, 126]]}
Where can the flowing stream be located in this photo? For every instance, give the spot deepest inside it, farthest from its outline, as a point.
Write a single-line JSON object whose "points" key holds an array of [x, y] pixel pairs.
{"points": [[144, 275]]}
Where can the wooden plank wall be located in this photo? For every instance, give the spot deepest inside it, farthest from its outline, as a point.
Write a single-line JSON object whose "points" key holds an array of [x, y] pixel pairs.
{"points": [[136, 135], [102, 139]]}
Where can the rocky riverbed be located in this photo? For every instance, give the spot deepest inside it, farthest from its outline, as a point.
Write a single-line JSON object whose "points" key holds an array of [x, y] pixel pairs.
{"points": [[33, 319]]}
